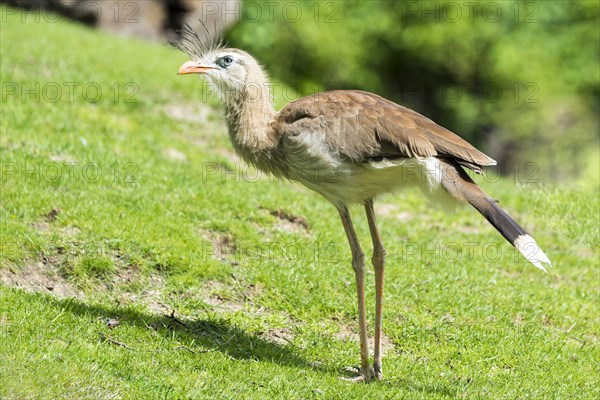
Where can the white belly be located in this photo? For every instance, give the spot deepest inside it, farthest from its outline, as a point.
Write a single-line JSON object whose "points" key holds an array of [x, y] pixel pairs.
{"points": [[310, 161], [350, 183]]}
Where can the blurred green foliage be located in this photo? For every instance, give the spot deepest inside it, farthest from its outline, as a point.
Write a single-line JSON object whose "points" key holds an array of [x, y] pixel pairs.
{"points": [[519, 79]]}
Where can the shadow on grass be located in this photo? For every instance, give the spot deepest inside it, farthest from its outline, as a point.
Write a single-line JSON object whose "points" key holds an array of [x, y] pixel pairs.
{"points": [[207, 334], [218, 334]]}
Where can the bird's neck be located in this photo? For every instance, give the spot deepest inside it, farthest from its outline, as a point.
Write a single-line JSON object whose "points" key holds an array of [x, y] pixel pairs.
{"points": [[250, 114]]}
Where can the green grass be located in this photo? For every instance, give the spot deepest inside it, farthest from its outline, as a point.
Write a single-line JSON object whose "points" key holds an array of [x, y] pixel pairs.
{"points": [[153, 214]]}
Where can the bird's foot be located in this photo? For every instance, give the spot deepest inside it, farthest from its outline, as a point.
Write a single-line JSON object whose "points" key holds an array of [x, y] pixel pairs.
{"points": [[377, 373], [361, 376]]}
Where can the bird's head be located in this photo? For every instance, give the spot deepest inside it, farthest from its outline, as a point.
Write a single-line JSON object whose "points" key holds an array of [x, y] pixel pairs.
{"points": [[223, 67], [231, 72]]}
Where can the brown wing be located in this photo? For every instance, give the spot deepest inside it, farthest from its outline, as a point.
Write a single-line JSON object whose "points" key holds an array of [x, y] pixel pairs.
{"points": [[362, 126]]}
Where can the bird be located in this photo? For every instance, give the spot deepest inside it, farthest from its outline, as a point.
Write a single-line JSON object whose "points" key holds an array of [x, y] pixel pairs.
{"points": [[350, 146]]}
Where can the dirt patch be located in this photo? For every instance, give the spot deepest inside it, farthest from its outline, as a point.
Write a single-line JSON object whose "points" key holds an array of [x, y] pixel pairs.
{"points": [[4, 321], [40, 277], [519, 320], [282, 336], [151, 296], [219, 246], [236, 297], [222, 297], [42, 226], [348, 333], [46, 225], [52, 214], [224, 249], [283, 215], [583, 251], [288, 222], [46, 277], [448, 318], [218, 295], [231, 297]]}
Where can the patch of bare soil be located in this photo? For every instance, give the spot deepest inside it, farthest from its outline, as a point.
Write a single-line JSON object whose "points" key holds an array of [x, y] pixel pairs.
{"points": [[216, 294], [48, 218], [583, 251], [222, 297], [348, 333], [52, 214], [221, 247], [282, 336], [289, 222], [45, 225], [228, 298], [40, 277], [519, 320], [45, 277], [225, 247], [152, 296]]}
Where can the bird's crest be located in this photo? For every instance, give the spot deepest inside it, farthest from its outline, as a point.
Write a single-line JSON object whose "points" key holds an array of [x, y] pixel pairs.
{"points": [[190, 42]]}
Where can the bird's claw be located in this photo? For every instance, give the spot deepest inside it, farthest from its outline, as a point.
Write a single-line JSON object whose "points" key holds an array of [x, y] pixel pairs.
{"points": [[361, 376], [377, 372]]}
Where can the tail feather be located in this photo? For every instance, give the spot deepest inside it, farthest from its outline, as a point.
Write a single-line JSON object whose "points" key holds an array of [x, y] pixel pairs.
{"points": [[510, 229], [461, 186], [531, 250]]}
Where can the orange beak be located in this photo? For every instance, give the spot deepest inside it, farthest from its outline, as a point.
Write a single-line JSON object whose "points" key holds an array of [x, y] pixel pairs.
{"points": [[192, 67]]}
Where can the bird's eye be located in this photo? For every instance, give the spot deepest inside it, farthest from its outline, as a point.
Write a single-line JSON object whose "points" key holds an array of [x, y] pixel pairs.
{"points": [[225, 61]]}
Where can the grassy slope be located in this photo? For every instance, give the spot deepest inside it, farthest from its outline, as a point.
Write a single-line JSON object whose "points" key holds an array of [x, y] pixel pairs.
{"points": [[277, 318]]}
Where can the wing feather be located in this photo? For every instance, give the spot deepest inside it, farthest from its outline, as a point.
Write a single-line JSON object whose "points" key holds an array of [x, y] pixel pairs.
{"points": [[361, 126]]}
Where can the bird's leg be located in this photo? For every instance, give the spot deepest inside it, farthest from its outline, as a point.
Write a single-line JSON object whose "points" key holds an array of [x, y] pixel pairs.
{"points": [[378, 261], [358, 264]]}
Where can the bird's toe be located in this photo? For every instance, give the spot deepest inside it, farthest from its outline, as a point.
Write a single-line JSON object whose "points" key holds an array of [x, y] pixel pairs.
{"points": [[360, 375], [377, 373]]}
